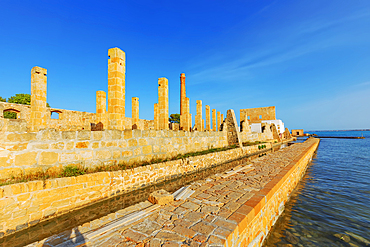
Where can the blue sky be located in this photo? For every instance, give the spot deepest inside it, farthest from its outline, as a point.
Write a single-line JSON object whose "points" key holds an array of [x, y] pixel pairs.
{"points": [[309, 58]]}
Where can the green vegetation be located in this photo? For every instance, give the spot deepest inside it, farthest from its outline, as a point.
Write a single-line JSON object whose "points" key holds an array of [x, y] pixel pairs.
{"points": [[21, 98], [76, 170], [72, 171], [10, 115], [261, 146], [175, 118], [252, 143]]}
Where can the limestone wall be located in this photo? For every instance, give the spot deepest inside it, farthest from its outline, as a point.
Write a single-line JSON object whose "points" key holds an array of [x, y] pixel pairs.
{"points": [[68, 119], [25, 204], [24, 152]]}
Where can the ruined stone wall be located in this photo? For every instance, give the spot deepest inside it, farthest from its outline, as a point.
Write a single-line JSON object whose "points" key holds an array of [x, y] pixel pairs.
{"points": [[269, 134], [256, 115], [24, 152], [25, 204], [69, 120]]}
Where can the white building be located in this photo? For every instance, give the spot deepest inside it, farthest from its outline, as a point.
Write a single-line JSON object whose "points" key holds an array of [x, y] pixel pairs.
{"points": [[256, 127], [278, 123]]}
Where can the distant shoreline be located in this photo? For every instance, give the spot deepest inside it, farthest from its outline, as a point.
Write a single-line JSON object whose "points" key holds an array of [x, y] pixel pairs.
{"points": [[337, 130]]}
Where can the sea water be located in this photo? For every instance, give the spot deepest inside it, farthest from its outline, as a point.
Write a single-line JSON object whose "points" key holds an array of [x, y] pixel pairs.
{"points": [[331, 204]]}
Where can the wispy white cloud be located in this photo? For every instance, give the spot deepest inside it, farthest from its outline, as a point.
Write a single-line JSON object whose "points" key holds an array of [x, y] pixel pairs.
{"points": [[293, 41]]}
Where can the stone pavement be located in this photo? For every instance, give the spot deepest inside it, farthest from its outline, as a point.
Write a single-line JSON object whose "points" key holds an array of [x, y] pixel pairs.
{"points": [[207, 217]]}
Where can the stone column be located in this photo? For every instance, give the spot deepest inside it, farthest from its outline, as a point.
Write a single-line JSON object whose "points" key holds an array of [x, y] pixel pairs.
{"points": [[202, 124], [39, 116], [183, 116], [214, 120], [101, 108], [187, 125], [163, 103], [116, 88], [135, 112], [218, 121], [208, 118], [156, 117], [198, 117]]}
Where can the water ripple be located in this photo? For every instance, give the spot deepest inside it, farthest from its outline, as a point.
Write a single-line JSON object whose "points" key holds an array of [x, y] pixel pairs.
{"points": [[331, 204]]}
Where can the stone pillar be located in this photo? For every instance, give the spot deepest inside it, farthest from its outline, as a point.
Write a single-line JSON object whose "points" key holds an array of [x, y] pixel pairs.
{"points": [[39, 116], [202, 124], [163, 103], [156, 117], [116, 88], [183, 116], [214, 120], [198, 117], [208, 118], [101, 108], [187, 125], [218, 121], [135, 112]]}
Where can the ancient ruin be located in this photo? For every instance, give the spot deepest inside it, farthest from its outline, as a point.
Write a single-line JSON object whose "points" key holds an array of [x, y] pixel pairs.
{"points": [[35, 142]]}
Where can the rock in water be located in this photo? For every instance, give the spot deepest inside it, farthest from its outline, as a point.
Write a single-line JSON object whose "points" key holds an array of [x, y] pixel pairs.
{"points": [[343, 237]]}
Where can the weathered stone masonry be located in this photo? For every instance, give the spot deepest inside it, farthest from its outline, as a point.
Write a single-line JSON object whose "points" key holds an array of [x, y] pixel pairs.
{"points": [[24, 204]]}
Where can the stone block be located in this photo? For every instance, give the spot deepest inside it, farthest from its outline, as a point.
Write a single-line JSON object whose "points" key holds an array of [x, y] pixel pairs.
{"points": [[68, 157], [147, 149], [127, 153], [160, 197], [102, 154], [18, 147], [83, 134], [116, 154], [68, 135], [132, 143], [143, 142], [26, 159], [48, 135], [48, 158], [94, 145], [136, 133], [58, 145], [127, 134], [97, 135], [70, 145], [82, 144], [137, 151], [4, 162], [86, 155]]}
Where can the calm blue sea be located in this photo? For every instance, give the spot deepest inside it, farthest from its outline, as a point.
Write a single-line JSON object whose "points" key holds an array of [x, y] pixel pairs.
{"points": [[331, 205]]}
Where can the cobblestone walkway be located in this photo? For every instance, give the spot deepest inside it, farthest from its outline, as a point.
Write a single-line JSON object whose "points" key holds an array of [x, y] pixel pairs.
{"points": [[209, 215]]}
